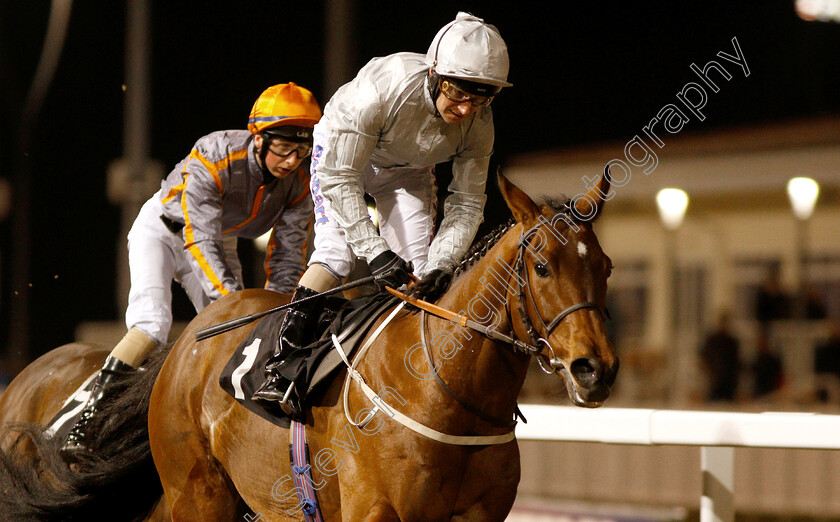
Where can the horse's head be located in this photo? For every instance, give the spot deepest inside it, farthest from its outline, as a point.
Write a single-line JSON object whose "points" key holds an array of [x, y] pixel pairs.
{"points": [[562, 274]]}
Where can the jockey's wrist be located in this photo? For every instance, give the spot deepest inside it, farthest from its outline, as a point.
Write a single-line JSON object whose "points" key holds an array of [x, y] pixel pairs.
{"points": [[445, 265], [379, 249]]}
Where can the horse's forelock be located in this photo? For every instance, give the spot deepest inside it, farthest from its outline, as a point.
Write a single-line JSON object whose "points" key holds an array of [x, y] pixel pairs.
{"points": [[558, 204], [562, 205]]}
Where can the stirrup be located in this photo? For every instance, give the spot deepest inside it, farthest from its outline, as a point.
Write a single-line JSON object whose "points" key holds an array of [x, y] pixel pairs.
{"points": [[270, 394], [284, 403]]}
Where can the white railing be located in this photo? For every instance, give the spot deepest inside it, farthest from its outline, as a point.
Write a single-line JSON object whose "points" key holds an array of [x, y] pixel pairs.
{"points": [[718, 434]]}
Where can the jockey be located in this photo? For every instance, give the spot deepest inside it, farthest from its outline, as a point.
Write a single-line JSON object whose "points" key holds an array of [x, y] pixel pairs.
{"points": [[234, 183], [382, 134]]}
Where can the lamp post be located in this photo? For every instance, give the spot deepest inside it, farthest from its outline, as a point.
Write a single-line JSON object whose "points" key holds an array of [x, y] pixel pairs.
{"points": [[672, 204], [803, 193]]}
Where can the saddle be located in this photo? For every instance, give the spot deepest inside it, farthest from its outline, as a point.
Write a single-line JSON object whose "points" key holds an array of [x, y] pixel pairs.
{"points": [[308, 367]]}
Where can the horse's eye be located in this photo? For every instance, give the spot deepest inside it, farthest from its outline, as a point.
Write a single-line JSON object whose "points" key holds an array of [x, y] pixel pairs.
{"points": [[541, 270]]}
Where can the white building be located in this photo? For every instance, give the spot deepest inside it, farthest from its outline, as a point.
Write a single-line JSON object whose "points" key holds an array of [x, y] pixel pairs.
{"points": [[738, 228]]}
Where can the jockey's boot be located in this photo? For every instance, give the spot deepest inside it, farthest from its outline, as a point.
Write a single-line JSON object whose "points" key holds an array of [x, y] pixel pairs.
{"points": [[75, 441], [294, 332]]}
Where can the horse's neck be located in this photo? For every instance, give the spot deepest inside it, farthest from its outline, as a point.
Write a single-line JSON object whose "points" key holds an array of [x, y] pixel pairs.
{"points": [[489, 371], [485, 290]]}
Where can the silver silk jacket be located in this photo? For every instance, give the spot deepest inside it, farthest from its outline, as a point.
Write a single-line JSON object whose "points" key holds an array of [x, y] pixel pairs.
{"points": [[386, 118], [219, 190]]}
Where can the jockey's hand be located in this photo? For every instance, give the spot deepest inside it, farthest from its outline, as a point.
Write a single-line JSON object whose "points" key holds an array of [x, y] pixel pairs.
{"points": [[432, 285], [389, 269]]}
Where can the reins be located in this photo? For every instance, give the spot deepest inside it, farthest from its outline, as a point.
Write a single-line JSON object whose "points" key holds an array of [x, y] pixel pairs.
{"points": [[232, 324], [462, 320], [486, 417], [517, 345], [532, 348]]}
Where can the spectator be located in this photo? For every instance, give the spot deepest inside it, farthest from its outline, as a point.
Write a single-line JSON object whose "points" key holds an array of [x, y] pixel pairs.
{"points": [[814, 304], [827, 364], [771, 303], [767, 368], [827, 353], [721, 360]]}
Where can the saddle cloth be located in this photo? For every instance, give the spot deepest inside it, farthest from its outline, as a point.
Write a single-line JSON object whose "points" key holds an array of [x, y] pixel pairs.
{"points": [[308, 367]]}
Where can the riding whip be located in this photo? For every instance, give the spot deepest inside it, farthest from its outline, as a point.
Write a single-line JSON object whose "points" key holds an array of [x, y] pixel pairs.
{"points": [[216, 329]]}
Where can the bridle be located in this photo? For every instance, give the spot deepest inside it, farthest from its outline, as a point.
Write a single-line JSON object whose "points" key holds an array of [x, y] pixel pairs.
{"points": [[517, 345], [534, 348], [537, 340]]}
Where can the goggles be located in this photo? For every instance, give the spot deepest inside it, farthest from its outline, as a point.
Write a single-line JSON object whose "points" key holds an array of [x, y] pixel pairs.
{"points": [[457, 95], [284, 148]]}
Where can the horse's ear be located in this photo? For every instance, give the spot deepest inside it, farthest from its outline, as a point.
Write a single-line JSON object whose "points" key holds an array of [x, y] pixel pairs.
{"points": [[589, 207], [521, 205]]}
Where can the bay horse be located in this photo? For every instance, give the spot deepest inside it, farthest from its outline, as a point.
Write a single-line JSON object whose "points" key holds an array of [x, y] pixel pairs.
{"points": [[91, 488], [211, 454], [38, 392], [541, 281]]}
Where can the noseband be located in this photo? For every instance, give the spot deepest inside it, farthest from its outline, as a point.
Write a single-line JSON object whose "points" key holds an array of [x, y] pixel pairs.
{"points": [[536, 339]]}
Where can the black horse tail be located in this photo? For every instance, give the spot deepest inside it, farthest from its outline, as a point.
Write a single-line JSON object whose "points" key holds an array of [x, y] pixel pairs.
{"points": [[116, 480]]}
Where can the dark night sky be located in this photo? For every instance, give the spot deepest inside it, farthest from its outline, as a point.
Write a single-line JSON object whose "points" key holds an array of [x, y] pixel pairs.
{"points": [[582, 71]]}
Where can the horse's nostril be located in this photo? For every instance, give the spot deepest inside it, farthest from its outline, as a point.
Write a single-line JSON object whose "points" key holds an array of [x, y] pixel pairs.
{"points": [[586, 371]]}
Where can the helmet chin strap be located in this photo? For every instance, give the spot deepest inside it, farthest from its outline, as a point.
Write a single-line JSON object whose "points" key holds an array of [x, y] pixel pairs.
{"points": [[261, 154], [434, 77], [434, 88]]}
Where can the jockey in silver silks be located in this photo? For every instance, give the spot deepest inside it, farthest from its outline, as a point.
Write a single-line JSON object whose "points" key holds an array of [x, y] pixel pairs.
{"points": [[382, 134]]}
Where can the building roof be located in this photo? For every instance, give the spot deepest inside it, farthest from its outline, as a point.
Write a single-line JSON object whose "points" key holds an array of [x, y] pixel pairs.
{"points": [[742, 166]]}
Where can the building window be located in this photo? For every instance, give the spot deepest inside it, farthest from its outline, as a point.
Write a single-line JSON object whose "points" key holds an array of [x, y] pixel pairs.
{"points": [[627, 302]]}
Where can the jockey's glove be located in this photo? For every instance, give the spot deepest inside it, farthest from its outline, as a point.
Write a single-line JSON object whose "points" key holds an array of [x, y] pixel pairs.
{"points": [[432, 285], [389, 269]]}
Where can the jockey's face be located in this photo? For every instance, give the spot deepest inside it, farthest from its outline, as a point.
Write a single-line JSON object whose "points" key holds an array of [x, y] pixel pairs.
{"points": [[453, 112], [283, 157], [454, 104]]}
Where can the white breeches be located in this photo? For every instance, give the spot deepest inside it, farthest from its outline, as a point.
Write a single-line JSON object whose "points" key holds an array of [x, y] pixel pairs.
{"points": [[156, 257], [405, 207]]}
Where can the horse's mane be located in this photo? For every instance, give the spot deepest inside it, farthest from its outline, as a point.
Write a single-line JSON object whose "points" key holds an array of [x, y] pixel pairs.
{"points": [[480, 248]]}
